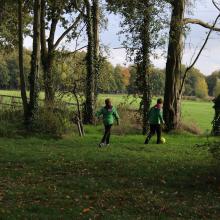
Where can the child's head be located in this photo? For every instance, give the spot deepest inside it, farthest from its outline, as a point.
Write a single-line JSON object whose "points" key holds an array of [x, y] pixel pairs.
{"points": [[159, 101], [108, 102]]}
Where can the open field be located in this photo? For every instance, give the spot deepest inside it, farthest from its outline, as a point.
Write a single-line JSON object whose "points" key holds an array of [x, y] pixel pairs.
{"points": [[194, 112], [74, 179], [71, 178]]}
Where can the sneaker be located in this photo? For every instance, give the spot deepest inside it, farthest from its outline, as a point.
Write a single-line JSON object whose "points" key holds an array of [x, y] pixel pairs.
{"points": [[146, 142], [101, 145]]}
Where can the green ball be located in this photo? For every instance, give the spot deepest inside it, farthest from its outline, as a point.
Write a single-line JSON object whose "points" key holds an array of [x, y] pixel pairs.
{"points": [[163, 140]]}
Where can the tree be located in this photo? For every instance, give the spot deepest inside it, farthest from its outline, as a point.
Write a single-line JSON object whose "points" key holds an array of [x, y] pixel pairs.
{"points": [[157, 81], [201, 88], [35, 62], [21, 59], [4, 76], [173, 66], [211, 81], [216, 91], [119, 79], [96, 24], [53, 13], [173, 84], [156, 78], [141, 26], [92, 21], [9, 22]]}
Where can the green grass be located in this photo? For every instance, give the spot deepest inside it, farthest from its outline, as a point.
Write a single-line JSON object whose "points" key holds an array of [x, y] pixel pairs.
{"points": [[193, 112], [71, 178], [74, 179]]}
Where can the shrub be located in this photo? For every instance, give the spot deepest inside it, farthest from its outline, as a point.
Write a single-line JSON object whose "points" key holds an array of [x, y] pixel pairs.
{"points": [[11, 123], [52, 121], [130, 121], [191, 128], [213, 148]]}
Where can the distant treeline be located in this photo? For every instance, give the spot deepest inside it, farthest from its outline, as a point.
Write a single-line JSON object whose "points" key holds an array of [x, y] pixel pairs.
{"points": [[112, 79]]}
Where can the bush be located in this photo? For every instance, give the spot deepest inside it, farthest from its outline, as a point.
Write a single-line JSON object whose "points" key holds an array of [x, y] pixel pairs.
{"points": [[191, 128], [214, 149], [11, 123], [130, 121], [52, 121], [48, 121]]}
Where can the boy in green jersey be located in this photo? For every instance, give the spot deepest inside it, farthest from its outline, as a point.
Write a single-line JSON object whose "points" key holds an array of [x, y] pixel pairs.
{"points": [[156, 120], [109, 114]]}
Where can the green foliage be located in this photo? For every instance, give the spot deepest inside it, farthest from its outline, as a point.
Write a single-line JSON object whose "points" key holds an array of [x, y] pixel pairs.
{"points": [[11, 123], [72, 68], [9, 69], [9, 23], [195, 84], [156, 77], [216, 91], [133, 15], [212, 82], [201, 88], [52, 121], [111, 79], [214, 148]]}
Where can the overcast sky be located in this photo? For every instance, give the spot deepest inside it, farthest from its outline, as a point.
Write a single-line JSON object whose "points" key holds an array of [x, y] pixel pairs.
{"points": [[209, 60]]}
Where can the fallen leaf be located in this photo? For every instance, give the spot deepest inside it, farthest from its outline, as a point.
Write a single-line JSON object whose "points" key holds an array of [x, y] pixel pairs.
{"points": [[86, 210]]}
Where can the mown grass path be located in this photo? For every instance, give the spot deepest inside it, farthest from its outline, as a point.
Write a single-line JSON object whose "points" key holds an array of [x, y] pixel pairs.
{"points": [[74, 179]]}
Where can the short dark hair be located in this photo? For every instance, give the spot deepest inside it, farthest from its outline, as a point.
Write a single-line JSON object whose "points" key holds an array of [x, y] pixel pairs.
{"points": [[108, 102], [159, 101]]}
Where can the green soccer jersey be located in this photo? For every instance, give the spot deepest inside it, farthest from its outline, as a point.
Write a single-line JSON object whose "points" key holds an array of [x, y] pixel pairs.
{"points": [[109, 115], [156, 115]]}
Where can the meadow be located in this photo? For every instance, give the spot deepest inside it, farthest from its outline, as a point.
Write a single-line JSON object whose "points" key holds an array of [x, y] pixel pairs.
{"points": [[72, 178], [199, 113]]}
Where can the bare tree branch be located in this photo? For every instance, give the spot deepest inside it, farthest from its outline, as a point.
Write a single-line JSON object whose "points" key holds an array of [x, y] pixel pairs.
{"points": [[73, 26], [201, 23], [214, 3], [73, 52], [197, 57]]}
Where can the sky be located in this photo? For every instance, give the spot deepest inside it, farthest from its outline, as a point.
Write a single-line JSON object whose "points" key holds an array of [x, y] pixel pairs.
{"points": [[208, 62]]}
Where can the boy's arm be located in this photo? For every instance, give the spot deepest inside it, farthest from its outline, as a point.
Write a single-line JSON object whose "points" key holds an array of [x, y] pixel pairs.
{"points": [[161, 117], [99, 113], [116, 115]]}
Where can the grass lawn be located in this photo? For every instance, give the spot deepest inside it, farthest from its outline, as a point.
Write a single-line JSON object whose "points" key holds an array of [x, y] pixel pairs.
{"points": [[72, 178]]}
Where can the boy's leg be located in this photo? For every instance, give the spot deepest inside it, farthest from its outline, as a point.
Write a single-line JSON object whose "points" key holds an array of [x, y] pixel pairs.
{"points": [[159, 131], [105, 135], [108, 133], [151, 133]]}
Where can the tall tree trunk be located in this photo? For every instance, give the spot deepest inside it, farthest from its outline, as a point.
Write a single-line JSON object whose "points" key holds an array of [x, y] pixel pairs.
{"points": [[144, 71], [48, 79], [47, 57], [21, 59], [96, 22], [48, 75], [173, 67], [35, 60], [89, 93]]}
